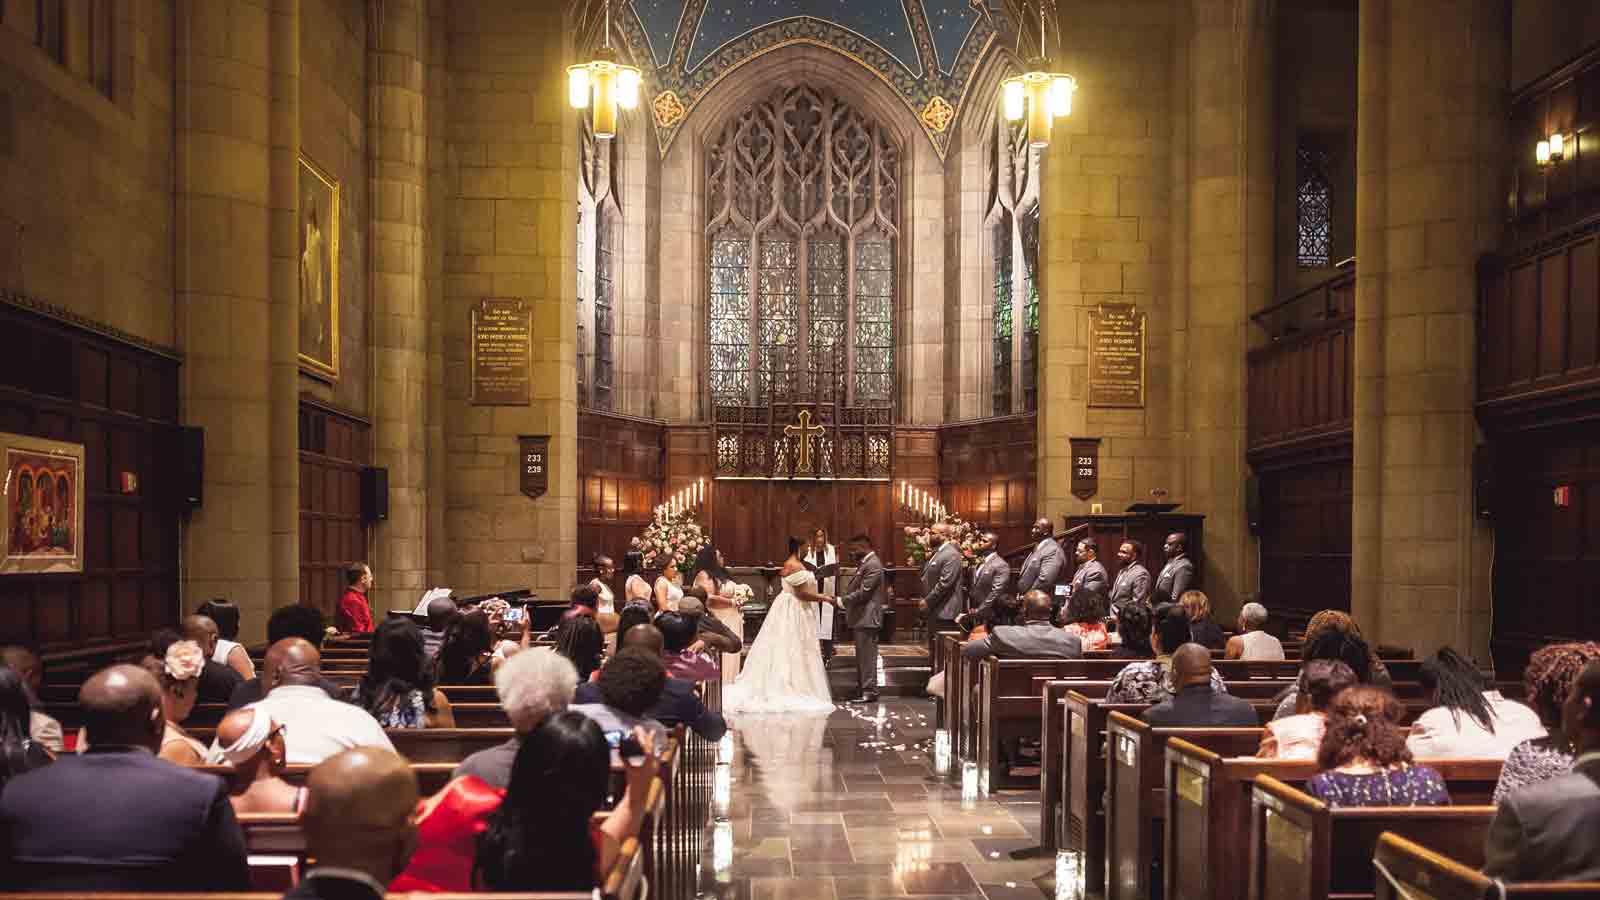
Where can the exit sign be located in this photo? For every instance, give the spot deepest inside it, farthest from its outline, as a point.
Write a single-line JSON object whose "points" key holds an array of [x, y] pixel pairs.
{"points": [[1563, 495]]}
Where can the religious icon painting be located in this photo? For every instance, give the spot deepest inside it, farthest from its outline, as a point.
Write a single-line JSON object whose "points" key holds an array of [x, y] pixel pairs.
{"points": [[319, 271], [43, 529]]}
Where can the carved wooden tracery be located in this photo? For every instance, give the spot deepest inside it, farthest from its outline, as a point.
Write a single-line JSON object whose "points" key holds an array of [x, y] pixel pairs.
{"points": [[597, 217], [802, 198], [1014, 244]]}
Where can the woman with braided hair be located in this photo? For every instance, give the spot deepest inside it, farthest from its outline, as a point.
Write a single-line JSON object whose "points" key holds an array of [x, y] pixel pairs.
{"points": [[1548, 679], [1471, 719]]}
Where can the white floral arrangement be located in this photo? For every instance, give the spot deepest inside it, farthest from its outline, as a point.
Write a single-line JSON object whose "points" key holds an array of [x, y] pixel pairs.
{"points": [[674, 537], [919, 541], [741, 594]]}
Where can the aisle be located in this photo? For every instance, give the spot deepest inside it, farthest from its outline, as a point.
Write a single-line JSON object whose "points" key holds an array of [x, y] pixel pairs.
{"points": [[840, 806]]}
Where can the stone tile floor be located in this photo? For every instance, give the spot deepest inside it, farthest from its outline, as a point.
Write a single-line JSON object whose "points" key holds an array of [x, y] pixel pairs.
{"points": [[844, 805]]}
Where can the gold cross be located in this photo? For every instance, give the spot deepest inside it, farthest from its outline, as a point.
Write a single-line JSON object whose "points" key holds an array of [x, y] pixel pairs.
{"points": [[804, 430]]}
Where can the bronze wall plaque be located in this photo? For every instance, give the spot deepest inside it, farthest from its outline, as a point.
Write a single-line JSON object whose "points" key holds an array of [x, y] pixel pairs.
{"points": [[535, 464], [1085, 467], [1116, 356], [502, 353]]}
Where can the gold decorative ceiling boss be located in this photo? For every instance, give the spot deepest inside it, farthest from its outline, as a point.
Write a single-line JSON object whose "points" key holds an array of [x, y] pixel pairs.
{"points": [[937, 114]]}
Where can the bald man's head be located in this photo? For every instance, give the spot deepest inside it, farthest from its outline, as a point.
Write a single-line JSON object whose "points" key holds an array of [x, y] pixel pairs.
{"points": [[26, 663], [268, 747], [1036, 606], [292, 661], [359, 812], [203, 631], [646, 636], [122, 705], [440, 609], [1191, 664]]}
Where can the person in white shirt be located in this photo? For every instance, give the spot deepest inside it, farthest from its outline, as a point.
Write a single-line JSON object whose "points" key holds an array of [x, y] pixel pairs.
{"points": [[1252, 642], [315, 726], [1468, 721]]}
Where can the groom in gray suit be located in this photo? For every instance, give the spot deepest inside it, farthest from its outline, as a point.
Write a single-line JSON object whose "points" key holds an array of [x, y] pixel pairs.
{"points": [[863, 612]]}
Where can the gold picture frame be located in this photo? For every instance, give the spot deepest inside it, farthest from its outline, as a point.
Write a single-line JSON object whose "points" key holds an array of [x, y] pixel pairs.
{"points": [[318, 230], [43, 526]]}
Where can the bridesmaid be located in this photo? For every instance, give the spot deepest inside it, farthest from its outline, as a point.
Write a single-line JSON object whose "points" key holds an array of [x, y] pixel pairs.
{"points": [[668, 591], [711, 575]]}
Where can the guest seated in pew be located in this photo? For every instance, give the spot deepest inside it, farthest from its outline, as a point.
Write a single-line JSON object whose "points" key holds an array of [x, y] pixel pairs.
{"points": [[315, 726], [633, 615], [1550, 831], [578, 638], [709, 629], [1086, 617], [1364, 756], [116, 818], [684, 653], [217, 682], [1469, 721], [178, 673], [678, 703], [293, 621], [19, 752], [1202, 630], [440, 611], [1151, 681], [1300, 736], [1252, 642], [1197, 703], [629, 685], [43, 728], [1344, 646], [464, 655], [1548, 680], [1134, 624], [359, 824], [1333, 621], [252, 743], [397, 688], [532, 686], [204, 630], [1035, 638]]}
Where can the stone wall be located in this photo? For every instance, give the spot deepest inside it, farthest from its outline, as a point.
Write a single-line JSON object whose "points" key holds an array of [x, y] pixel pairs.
{"points": [[510, 232], [86, 179]]}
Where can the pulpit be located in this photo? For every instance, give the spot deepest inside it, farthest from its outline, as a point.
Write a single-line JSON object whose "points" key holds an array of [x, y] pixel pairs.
{"points": [[1150, 529]]}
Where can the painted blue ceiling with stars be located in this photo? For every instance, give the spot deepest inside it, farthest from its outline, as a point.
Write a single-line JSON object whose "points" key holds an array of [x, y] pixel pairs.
{"points": [[927, 50]]}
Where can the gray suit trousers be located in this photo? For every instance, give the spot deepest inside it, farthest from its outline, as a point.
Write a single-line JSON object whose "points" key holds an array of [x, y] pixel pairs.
{"points": [[867, 658]]}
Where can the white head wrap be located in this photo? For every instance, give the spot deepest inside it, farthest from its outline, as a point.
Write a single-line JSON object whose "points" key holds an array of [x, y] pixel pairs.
{"points": [[249, 743]]}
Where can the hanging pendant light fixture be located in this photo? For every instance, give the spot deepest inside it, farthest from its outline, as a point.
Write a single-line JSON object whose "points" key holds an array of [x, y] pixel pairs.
{"points": [[605, 83], [1039, 95]]}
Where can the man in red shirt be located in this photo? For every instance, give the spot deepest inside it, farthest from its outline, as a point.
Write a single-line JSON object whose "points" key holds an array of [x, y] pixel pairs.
{"points": [[354, 616]]}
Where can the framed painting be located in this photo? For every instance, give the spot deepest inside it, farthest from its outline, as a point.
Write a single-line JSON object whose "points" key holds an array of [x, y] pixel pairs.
{"points": [[319, 271], [44, 505]]}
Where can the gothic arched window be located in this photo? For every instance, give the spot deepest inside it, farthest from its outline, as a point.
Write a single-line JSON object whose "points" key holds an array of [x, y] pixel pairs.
{"points": [[1313, 203], [1014, 253], [597, 215], [802, 228]]}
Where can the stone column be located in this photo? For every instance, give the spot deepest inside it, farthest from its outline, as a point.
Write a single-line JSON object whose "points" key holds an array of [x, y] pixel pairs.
{"points": [[1230, 254], [1431, 134], [397, 127], [237, 289]]}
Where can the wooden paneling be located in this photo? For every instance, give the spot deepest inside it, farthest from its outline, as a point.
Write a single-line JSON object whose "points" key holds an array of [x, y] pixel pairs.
{"points": [[1539, 327], [120, 400], [1547, 557], [334, 446], [1305, 538], [1301, 387], [988, 471], [620, 472], [1547, 201]]}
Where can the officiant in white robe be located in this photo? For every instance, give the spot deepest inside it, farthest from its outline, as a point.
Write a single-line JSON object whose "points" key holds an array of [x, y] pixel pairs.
{"points": [[820, 553]]}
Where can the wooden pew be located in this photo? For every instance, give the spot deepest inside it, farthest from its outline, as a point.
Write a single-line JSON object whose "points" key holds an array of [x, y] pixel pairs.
{"points": [[1007, 705], [1407, 870], [438, 745], [1134, 789], [431, 777], [1205, 835], [1302, 849]]}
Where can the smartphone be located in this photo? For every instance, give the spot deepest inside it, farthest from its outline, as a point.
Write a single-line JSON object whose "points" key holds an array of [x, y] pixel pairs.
{"points": [[514, 615], [625, 747]]}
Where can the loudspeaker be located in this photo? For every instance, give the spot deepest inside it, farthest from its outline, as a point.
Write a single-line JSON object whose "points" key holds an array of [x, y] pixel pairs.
{"points": [[374, 494], [189, 461], [1252, 504], [1483, 481]]}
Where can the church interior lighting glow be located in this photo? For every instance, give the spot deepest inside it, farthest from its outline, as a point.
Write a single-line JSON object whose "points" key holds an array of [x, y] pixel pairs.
{"points": [[604, 83], [1038, 95]]}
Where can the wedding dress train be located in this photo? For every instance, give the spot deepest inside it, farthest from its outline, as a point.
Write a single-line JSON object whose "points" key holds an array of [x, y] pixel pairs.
{"points": [[783, 671]]}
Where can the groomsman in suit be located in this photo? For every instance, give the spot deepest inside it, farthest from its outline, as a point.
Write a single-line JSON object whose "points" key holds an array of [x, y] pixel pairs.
{"points": [[1043, 566], [1178, 573], [1133, 579], [1091, 574], [863, 611], [943, 596], [991, 587]]}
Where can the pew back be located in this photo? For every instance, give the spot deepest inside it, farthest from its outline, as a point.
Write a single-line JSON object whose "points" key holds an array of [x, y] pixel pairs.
{"points": [[1407, 870]]}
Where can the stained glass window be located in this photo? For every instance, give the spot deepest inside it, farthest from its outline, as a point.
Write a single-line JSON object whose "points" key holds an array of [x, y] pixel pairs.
{"points": [[802, 200], [1030, 308], [601, 383], [1014, 223], [1313, 205], [1001, 235], [583, 308]]}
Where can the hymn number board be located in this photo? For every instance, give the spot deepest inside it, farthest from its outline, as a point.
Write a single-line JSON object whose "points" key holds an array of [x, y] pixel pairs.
{"points": [[535, 464], [1085, 467]]}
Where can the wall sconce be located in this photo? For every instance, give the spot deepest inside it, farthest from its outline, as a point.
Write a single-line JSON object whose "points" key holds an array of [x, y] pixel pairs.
{"points": [[1552, 149]]}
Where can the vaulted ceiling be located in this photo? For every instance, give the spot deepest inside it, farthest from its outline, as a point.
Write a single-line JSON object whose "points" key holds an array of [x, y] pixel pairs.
{"points": [[926, 50]]}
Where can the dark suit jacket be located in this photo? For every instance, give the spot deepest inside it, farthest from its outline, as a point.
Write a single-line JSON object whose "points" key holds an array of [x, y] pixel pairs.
{"points": [[119, 820], [1042, 568], [941, 582], [678, 705], [1549, 831], [1175, 578], [1033, 640], [334, 887], [863, 601], [218, 682], [1208, 634], [1198, 706], [990, 582]]}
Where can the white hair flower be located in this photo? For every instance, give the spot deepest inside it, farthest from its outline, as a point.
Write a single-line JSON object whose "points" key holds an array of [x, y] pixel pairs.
{"points": [[184, 660]]}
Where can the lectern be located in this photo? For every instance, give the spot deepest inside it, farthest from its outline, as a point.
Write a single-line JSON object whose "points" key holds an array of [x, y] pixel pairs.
{"points": [[1147, 523]]}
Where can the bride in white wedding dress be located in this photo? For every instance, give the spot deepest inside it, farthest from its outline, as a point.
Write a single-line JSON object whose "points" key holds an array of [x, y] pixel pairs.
{"points": [[783, 671]]}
